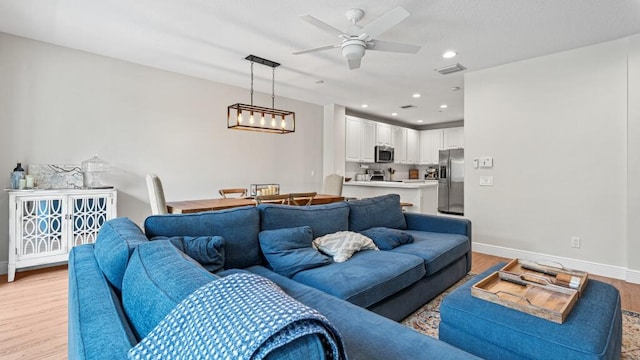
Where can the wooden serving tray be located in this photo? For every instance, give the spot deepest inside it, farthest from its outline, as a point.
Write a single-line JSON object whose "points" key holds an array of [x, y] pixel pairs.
{"points": [[549, 302], [547, 275]]}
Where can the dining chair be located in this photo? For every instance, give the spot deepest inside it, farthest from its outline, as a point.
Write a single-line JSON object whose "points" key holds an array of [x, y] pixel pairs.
{"points": [[156, 195], [333, 185], [301, 198], [272, 199], [224, 192]]}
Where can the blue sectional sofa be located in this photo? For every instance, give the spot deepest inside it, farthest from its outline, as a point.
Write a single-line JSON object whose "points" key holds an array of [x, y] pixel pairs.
{"points": [[121, 287]]}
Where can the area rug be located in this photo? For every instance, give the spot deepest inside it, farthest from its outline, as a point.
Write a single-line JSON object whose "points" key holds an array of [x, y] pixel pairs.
{"points": [[427, 318]]}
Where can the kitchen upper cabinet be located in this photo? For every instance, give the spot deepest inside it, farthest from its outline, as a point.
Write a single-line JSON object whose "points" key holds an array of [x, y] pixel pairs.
{"points": [[454, 138], [383, 134], [430, 146], [399, 144], [413, 146], [360, 140]]}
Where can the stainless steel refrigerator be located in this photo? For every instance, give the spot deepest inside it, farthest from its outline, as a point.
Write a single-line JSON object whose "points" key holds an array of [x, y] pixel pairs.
{"points": [[451, 182]]}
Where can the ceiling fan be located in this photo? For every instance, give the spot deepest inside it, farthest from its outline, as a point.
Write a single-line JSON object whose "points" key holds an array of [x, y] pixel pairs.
{"points": [[356, 39]]}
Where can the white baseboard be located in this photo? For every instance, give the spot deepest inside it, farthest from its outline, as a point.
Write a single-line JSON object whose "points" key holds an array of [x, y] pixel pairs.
{"points": [[616, 272], [4, 267], [633, 276]]}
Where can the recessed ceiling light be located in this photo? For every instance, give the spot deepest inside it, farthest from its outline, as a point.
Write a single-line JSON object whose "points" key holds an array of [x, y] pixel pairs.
{"points": [[365, 105], [394, 114], [449, 54], [416, 95], [420, 121], [443, 106], [455, 88], [319, 81]]}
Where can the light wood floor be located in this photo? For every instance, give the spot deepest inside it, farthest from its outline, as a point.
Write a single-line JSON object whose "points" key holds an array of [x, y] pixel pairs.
{"points": [[33, 310]]}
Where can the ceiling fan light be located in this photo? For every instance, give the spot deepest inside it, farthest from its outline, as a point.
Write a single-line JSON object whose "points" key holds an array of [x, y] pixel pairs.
{"points": [[353, 50]]}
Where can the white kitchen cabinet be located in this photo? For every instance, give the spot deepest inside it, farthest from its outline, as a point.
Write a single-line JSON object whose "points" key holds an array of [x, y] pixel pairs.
{"points": [[430, 146], [413, 146], [453, 138], [360, 139], [383, 134], [399, 144], [45, 224]]}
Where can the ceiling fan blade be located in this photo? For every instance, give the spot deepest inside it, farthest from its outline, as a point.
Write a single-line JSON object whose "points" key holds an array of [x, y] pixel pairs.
{"points": [[327, 47], [385, 22], [391, 46], [354, 63], [322, 25]]}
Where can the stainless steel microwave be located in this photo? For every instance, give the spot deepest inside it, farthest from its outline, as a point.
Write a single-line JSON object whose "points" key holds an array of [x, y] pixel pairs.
{"points": [[384, 154]]}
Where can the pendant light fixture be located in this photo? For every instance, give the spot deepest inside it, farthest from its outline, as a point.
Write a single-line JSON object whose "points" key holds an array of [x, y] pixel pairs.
{"points": [[257, 118]]}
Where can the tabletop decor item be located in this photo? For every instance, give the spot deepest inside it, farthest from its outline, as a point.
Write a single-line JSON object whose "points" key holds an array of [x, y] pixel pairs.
{"points": [[92, 171], [56, 176], [548, 292], [16, 175]]}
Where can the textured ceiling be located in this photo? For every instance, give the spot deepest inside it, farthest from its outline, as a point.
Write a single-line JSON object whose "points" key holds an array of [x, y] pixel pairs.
{"points": [[209, 39]]}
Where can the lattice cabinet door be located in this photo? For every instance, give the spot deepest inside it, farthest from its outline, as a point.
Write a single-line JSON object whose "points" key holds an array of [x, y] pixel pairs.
{"points": [[45, 224], [88, 213], [41, 227]]}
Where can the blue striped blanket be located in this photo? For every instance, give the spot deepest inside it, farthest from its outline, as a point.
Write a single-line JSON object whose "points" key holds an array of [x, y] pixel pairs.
{"points": [[240, 316]]}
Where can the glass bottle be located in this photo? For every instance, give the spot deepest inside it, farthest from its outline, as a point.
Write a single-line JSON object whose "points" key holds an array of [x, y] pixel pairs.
{"points": [[16, 175]]}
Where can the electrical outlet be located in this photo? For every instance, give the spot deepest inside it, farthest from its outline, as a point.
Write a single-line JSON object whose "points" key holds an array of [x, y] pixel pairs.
{"points": [[486, 180], [575, 241]]}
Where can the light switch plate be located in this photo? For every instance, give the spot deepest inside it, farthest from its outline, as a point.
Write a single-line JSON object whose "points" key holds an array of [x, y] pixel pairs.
{"points": [[475, 163], [486, 180], [486, 162]]}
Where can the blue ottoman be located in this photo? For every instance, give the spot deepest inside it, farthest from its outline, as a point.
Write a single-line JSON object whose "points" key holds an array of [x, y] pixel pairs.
{"points": [[593, 329]]}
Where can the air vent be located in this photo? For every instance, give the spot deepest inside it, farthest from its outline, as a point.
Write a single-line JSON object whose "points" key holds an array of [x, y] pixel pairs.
{"points": [[450, 69], [408, 106]]}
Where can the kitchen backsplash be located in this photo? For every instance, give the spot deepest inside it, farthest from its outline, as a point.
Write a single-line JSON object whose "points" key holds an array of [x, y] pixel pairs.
{"points": [[401, 170]]}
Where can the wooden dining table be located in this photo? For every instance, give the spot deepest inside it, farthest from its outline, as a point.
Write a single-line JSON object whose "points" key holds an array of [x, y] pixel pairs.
{"points": [[193, 206]]}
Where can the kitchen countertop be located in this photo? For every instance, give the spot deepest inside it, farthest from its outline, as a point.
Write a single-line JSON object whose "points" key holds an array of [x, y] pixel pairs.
{"points": [[394, 184]]}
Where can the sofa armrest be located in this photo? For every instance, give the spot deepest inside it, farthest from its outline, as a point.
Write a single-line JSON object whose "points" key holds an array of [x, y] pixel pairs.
{"points": [[97, 326], [439, 224]]}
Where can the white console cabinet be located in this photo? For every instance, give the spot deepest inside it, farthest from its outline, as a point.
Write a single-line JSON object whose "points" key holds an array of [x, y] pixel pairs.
{"points": [[45, 224]]}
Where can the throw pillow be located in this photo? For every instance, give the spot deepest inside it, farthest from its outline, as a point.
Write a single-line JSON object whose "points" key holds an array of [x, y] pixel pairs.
{"points": [[289, 250], [343, 244], [380, 211], [387, 239], [208, 251]]}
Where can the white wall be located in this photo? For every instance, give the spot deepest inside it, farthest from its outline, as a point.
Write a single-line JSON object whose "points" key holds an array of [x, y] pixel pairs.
{"points": [[557, 129], [633, 161], [59, 105]]}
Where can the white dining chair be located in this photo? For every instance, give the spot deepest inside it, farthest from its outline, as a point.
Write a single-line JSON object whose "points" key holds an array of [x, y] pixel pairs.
{"points": [[333, 185], [156, 195]]}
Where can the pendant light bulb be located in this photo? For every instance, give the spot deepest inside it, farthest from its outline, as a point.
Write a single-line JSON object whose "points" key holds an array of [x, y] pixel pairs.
{"points": [[283, 123], [262, 120], [273, 121], [251, 120], [239, 116]]}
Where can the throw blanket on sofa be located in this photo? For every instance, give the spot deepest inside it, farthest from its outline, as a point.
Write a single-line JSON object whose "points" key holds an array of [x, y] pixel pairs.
{"points": [[241, 316]]}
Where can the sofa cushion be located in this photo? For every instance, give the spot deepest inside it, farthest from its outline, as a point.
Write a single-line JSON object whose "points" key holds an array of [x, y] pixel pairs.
{"points": [[387, 239], [117, 238], [323, 219], [380, 211], [208, 251], [94, 308], [366, 335], [368, 277], [437, 249], [238, 226], [343, 244], [289, 250], [158, 278]]}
